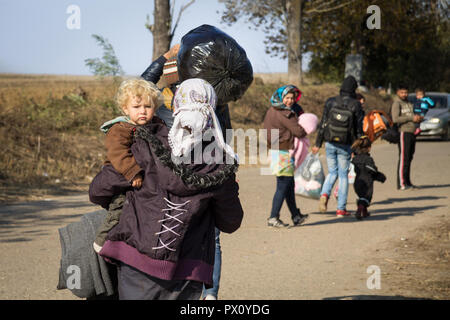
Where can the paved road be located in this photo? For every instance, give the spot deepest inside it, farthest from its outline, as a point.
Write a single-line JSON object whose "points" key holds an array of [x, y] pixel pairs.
{"points": [[325, 258]]}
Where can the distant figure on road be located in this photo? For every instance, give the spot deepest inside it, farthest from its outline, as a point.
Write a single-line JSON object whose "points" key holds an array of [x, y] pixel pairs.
{"points": [[403, 115], [341, 124], [421, 106], [366, 174], [283, 116]]}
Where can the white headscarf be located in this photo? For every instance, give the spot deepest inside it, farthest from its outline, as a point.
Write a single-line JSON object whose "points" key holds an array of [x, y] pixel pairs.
{"points": [[194, 107]]}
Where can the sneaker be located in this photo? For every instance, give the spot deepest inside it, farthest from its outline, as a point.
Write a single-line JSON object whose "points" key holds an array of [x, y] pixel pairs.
{"points": [[210, 297], [323, 202], [299, 219], [276, 222], [405, 188], [365, 213], [342, 213]]}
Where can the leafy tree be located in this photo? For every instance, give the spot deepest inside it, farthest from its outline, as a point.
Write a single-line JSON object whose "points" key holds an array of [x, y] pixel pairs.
{"points": [[412, 45], [108, 65], [283, 23]]}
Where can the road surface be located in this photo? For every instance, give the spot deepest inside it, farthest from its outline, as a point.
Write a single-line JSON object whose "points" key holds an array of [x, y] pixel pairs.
{"points": [[326, 258]]}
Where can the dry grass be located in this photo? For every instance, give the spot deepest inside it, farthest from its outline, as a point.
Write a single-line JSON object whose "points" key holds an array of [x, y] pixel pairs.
{"points": [[418, 265], [49, 128], [49, 124]]}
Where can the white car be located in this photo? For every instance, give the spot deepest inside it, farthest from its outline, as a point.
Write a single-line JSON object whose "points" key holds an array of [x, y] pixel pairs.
{"points": [[437, 119]]}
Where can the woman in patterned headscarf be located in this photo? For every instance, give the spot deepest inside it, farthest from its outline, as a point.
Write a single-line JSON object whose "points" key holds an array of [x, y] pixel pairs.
{"points": [[281, 123], [194, 118]]}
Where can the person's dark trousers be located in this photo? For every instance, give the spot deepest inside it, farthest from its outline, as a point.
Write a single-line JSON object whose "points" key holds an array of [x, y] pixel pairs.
{"points": [[364, 190], [406, 149], [136, 285], [285, 190]]}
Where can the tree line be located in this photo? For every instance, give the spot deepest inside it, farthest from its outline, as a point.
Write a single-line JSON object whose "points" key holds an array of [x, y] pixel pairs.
{"points": [[412, 44]]}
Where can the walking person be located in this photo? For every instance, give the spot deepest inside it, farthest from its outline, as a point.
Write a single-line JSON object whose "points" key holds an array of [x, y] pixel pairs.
{"points": [[282, 117], [402, 113], [340, 125], [164, 242], [166, 66], [366, 174]]}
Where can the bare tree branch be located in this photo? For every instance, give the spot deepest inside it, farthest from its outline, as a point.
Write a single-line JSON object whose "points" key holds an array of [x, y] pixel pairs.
{"points": [[179, 16], [315, 10]]}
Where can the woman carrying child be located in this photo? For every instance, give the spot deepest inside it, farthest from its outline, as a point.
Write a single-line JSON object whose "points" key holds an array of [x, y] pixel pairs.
{"points": [[164, 242], [282, 118]]}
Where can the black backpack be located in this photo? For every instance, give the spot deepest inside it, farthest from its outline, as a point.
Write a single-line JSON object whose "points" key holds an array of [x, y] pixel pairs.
{"points": [[339, 123]]}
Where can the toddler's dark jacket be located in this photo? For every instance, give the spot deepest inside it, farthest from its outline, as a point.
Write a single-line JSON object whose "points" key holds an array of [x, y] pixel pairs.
{"points": [[366, 174]]}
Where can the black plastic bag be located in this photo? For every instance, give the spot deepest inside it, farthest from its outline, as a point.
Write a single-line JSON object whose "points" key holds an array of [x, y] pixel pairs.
{"points": [[210, 54], [392, 135]]}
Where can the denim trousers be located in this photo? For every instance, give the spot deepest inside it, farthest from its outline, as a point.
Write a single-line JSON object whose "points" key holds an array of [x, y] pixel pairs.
{"points": [[217, 269], [285, 190], [338, 162]]}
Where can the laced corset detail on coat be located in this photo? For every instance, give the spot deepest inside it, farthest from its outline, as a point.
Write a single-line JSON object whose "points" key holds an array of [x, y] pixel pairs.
{"points": [[175, 210]]}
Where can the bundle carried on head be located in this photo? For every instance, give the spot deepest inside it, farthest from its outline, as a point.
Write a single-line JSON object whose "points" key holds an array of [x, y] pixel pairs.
{"points": [[210, 54]]}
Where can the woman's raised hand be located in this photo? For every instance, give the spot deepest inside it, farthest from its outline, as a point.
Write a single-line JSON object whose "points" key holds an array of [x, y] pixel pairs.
{"points": [[172, 51]]}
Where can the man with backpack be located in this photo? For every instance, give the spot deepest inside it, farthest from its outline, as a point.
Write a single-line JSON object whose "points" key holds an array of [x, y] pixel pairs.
{"points": [[341, 124]]}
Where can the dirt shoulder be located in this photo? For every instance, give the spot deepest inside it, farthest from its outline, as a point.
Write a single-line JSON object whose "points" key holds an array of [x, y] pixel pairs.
{"points": [[418, 263]]}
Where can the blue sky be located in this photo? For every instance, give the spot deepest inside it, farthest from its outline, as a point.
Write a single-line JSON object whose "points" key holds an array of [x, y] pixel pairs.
{"points": [[35, 38]]}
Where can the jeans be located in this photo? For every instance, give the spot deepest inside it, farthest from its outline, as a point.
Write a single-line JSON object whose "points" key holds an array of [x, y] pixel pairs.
{"points": [[285, 190], [338, 162], [217, 269]]}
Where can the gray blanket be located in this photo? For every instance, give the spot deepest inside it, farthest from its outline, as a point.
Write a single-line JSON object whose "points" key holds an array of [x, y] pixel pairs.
{"points": [[82, 270]]}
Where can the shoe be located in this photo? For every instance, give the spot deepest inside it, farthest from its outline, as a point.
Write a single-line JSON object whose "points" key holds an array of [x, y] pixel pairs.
{"points": [[323, 202], [276, 222], [359, 212], [299, 219], [342, 213], [365, 213], [210, 297], [405, 188]]}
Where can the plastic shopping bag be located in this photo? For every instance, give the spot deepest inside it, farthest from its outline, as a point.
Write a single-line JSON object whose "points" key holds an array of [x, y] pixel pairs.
{"points": [[351, 179], [309, 177]]}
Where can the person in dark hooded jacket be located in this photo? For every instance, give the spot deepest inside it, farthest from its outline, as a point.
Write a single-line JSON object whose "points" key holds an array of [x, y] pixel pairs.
{"points": [[341, 124], [366, 174], [164, 242]]}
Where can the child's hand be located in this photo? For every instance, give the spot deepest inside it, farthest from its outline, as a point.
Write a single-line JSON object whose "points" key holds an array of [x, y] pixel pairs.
{"points": [[137, 181]]}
